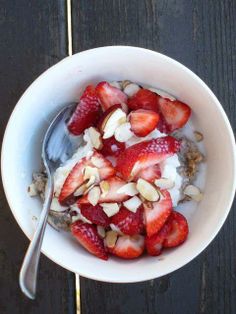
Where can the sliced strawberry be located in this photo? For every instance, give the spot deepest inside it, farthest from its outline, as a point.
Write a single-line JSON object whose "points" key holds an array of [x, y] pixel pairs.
{"points": [[143, 121], [143, 99], [111, 147], [95, 214], [128, 222], [88, 237], [178, 230], [175, 113], [149, 174], [109, 95], [162, 126], [111, 196], [145, 154], [156, 213], [86, 113], [75, 178], [154, 244], [128, 247]]}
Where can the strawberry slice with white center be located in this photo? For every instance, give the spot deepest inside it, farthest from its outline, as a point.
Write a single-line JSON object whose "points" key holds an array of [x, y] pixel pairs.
{"points": [[143, 121], [178, 230], [128, 247], [87, 235], [157, 213], [109, 95], [86, 113], [175, 113], [154, 244], [149, 174], [145, 154], [95, 214], [76, 177], [128, 222], [110, 196], [143, 99]]}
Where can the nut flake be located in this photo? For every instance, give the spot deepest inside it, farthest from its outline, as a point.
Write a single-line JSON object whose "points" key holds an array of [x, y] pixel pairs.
{"points": [[198, 136], [193, 192], [110, 208], [94, 195], [113, 121], [95, 138], [105, 187], [110, 239], [123, 133], [133, 204], [147, 190], [131, 89], [101, 232], [128, 189], [164, 183]]}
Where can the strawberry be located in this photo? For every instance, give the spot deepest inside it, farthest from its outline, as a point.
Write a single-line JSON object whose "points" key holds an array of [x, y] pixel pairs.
{"points": [[111, 196], [156, 213], [109, 95], [88, 237], [154, 244], [128, 247], [111, 147], [145, 154], [128, 222], [75, 178], [150, 174], [95, 214], [143, 99], [162, 126], [86, 112], [143, 121], [175, 113], [178, 230]]}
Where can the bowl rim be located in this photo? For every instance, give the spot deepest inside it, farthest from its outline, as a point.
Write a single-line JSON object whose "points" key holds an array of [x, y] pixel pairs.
{"points": [[144, 276]]}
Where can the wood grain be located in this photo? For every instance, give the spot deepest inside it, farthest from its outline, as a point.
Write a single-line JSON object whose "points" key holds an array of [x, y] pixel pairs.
{"points": [[33, 37], [201, 35]]}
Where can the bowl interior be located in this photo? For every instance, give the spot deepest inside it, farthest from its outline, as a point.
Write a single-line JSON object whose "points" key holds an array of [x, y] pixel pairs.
{"points": [[63, 83]]}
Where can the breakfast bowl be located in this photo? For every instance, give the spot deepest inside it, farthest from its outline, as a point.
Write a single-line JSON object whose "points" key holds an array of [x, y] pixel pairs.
{"points": [[63, 84]]}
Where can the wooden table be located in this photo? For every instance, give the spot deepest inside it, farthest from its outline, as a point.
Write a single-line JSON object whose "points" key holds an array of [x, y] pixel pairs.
{"points": [[198, 33]]}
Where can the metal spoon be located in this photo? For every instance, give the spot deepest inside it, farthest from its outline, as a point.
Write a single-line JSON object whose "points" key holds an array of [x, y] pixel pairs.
{"points": [[56, 149]]}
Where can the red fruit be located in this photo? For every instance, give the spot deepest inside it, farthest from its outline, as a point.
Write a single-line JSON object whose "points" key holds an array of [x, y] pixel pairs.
{"points": [[143, 121], [95, 214], [86, 112], [143, 99], [162, 126], [154, 244], [88, 237], [175, 113], [156, 213], [112, 196], [150, 174], [128, 247], [109, 95], [145, 154], [128, 222], [75, 178], [111, 147], [178, 233]]}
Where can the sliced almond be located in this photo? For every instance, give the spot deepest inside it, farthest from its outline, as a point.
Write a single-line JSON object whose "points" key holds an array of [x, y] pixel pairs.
{"points": [[193, 192], [116, 84], [116, 229], [125, 83], [101, 231], [105, 187], [91, 172], [131, 89], [123, 132], [128, 189], [110, 208], [97, 162], [95, 137], [164, 183], [198, 136], [32, 191], [110, 239], [115, 119], [147, 190], [133, 204], [80, 190], [94, 195], [56, 206], [89, 188], [162, 93]]}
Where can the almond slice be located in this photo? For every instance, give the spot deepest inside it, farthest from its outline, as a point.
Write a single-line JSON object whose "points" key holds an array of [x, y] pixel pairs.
{"points": [[193, 192], [147, 190], [115, 119], [128, 189], [110, 239], [198, 136], [80, 191], [105, 187], [32, 191], [131, 89], [95, 137], [116, 84], [123, 132], [101, 232], [162, 93], [110, 208], [91, 172], [94, 195], [164, 183], [133, 204]]}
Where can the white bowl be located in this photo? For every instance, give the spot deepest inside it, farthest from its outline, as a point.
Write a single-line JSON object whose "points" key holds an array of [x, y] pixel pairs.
{"points": [[63, 83]]}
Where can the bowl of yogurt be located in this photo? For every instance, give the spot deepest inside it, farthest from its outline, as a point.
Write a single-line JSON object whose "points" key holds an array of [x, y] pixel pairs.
{"points": [[204, 200]]}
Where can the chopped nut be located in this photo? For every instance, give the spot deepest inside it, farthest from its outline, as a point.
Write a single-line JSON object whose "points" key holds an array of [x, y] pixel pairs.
{"points": [[123, 132], [101, 232], [116, 84], [131, 89], [110, 239], [94, 195], [110, 208], [147, 190], [193, 192], [113, 121], [198, 136], [32, 191], [128, 189], [95, 138], [105, 187], [164, 183], [91, 172], [125, 83], [80, 190], [133, 204]]}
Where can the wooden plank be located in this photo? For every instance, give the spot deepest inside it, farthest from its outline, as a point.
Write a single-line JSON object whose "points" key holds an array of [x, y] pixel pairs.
{"points": [[33, 37], [201, 35]]}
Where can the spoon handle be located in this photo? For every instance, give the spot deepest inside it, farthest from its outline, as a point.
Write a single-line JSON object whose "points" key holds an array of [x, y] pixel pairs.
{"points": [[29, 268]]}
